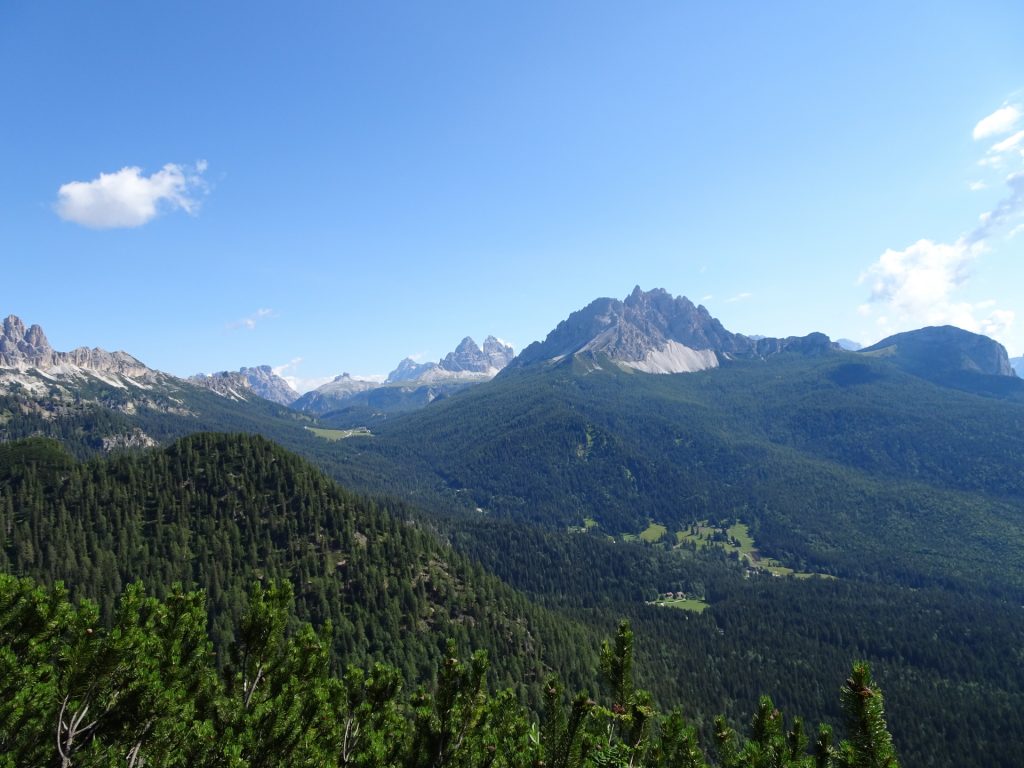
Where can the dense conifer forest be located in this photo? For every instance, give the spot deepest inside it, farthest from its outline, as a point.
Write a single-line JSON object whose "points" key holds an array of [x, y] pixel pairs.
{"points": [[145, 691], [394, 585], [220, 511]]}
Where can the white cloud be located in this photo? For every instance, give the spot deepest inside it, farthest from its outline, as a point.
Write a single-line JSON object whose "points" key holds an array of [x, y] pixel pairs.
{"points": [[739, 297], [249, 322], [126, 198], [924, 284], [919, 286], [279, 370], [919, 276], [1013, 142], [1001, 121]]}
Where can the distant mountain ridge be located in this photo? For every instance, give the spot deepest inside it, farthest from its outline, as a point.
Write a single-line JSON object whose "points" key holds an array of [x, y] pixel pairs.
{"points": [[952, 357], [24, 350], [655, 332], [466, 362], [260, 380], [411, 385], [650, 332]]}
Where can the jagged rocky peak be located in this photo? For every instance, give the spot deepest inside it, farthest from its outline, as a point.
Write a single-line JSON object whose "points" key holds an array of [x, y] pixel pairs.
{"points": [[467, 361], [498, 353], [655, 332], [259, 380], [24, 349], [269, 385], [20, 344], [466, 357], [470, 358], [408, 370]]}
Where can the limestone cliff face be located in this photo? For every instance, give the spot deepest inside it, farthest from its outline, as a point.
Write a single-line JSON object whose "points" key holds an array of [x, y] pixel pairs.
{"points": [[23, 349], [467, 361], [655, 332], [259, 380]]}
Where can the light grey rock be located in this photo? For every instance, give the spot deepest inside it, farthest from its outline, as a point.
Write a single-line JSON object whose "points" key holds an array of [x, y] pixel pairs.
{"points": [[24, 349], [655, 332], [260, 381]]}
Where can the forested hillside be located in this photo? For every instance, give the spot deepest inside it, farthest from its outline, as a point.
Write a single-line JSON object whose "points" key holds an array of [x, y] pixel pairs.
{"points": [[839, 464], [221, 511], [908, 492]]}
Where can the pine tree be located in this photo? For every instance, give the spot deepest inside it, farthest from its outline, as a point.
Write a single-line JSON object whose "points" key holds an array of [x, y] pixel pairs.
{"points": [[870, 743]]}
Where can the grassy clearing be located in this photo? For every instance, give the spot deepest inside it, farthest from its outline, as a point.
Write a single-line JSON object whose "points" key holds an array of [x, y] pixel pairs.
{"points": [[653, 532], [340, 434], [686, 604], [741, 533], [735, 539]]}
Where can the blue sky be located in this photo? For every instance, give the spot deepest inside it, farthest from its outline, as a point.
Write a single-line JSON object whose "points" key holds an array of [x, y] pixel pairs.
{"points": [[211, 185]]}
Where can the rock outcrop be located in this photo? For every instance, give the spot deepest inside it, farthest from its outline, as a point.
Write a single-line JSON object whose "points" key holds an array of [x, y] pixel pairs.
{"points": [[260, 380], [655, 332], [24, 349]]}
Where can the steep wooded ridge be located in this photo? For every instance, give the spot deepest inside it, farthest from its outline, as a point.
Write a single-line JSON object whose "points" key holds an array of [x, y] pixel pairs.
{"points": [[840, 464], [221, 511]]}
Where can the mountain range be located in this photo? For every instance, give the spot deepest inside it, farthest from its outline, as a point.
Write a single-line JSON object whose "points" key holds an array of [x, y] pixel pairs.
{"points": [[410, 385], [647, 332], [599, 469]]}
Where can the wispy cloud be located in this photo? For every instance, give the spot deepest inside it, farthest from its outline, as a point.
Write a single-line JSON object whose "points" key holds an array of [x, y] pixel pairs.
{"points": [[923, 283], [977, 186], [1001, 121], [249, 322], [280, 370], [1008, 145], [739, 297], [127, 198], [1006, 211]]}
